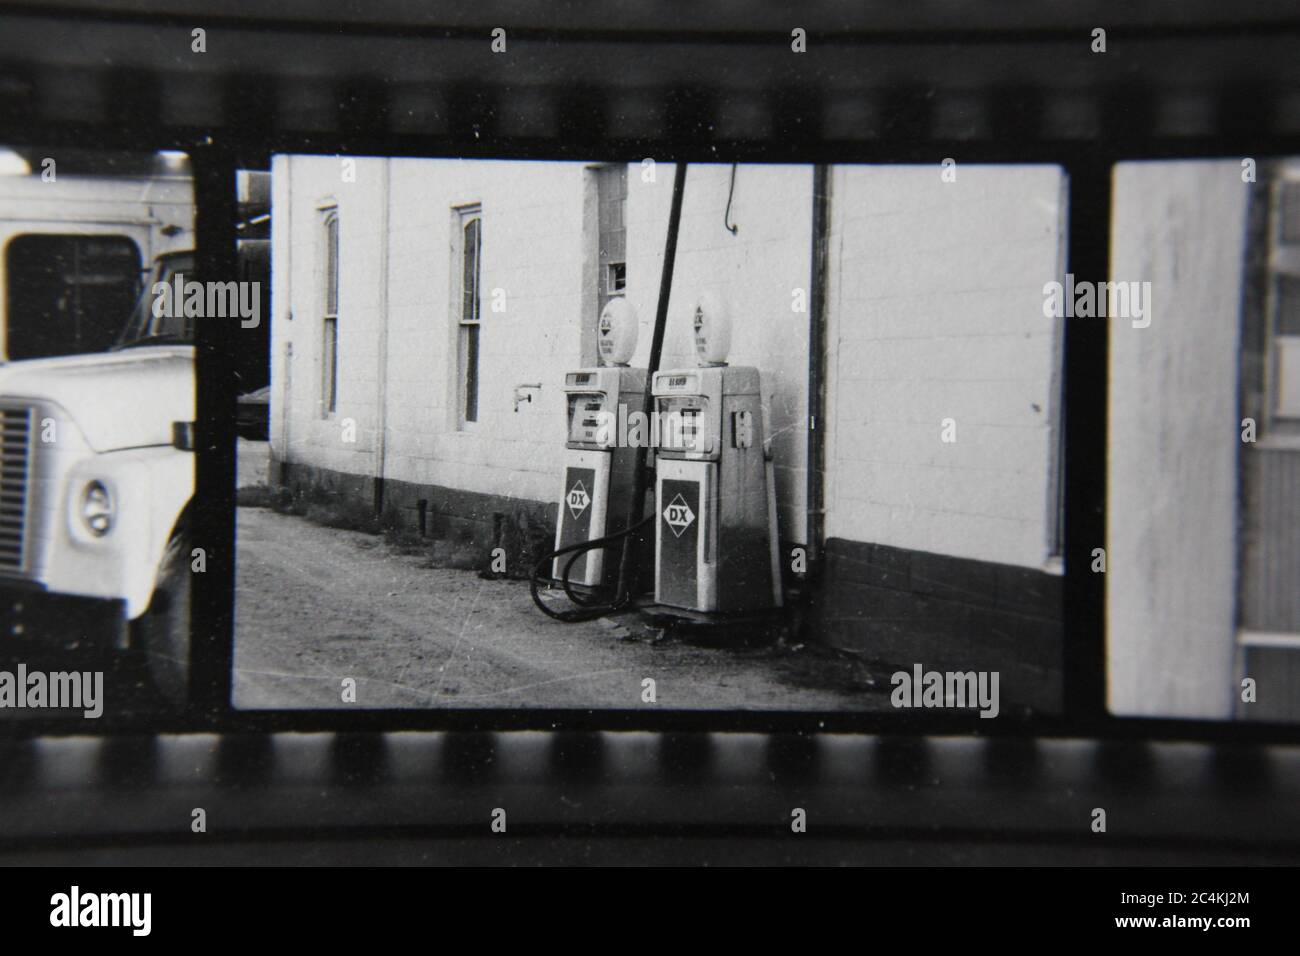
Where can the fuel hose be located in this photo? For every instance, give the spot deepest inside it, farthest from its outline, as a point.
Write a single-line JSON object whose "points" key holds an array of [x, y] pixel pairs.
{"points": [[587, 609]]}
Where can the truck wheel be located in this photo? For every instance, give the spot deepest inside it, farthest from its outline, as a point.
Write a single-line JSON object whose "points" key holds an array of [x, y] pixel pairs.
{"points": [[164, 628]]}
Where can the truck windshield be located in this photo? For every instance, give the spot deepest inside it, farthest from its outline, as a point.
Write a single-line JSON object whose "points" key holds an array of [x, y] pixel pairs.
{"points": [[158, 319]]}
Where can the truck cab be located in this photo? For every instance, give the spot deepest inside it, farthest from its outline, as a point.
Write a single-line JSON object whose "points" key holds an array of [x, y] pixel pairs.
{"points": [[96, 478]]}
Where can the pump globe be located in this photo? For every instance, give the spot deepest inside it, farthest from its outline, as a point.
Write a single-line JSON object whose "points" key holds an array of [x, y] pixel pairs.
{"points": [[616, 332], [712, 324]]}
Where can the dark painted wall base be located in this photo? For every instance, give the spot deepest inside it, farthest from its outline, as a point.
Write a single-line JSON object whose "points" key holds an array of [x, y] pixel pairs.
{"points": [[903, 607], [462, 527]]}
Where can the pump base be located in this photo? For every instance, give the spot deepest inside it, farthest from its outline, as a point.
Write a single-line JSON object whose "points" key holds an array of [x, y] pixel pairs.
{"points": [[765, 616]]}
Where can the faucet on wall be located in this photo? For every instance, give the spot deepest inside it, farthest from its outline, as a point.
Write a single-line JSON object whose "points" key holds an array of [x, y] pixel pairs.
{"points": [[524, 393]]}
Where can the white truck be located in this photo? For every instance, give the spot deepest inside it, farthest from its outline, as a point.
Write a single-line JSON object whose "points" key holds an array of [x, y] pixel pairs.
{"points": [[96, 480]]}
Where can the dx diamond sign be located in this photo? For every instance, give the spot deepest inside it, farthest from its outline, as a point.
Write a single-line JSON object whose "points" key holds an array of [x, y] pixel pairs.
{"points": [[578, 499], [678, 515]]}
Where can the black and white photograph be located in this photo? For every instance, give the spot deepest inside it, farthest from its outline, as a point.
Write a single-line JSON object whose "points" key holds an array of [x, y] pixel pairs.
{"points": [[602, 434], [458, 386]]}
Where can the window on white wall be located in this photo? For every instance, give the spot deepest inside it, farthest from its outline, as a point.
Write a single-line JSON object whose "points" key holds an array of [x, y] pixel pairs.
{"points": [[330, 320], [611, 200], [468, 311], [1284, 329]]}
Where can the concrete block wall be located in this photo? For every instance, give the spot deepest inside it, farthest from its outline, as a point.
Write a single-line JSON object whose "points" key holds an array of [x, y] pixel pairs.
{"points": [[538, 249], [532, 252], [756, 272], [936, 312], [301, 428], [940, 553]]}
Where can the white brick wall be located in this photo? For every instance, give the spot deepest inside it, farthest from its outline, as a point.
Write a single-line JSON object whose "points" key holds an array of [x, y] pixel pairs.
{"points": [[754, 271], [535, 241], [936, 311], [300, 187], [935, 301], [1174, 440], [532, 241], [532, 231]]}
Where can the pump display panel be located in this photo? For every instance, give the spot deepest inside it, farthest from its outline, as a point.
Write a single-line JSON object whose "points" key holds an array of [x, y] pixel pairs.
{"points": [[587, 414], [684, 425]]}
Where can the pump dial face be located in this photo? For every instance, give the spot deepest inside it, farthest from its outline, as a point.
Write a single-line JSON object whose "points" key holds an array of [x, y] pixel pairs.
{"points": [[586, 416], [617, 332], [684, 424], [712, 326]]}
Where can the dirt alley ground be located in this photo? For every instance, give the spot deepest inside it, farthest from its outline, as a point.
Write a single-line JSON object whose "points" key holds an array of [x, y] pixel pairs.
{"points": [[315, 605]]}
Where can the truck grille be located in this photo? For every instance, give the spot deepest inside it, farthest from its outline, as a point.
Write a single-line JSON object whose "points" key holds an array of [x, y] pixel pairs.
{"points": [[15, 452]]}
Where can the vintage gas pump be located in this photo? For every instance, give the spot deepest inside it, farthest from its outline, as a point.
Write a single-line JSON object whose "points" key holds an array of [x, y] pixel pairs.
{"points": [[598, 468], [715, 537]]}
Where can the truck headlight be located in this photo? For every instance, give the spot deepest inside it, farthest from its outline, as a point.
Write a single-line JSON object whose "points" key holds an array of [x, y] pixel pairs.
{"points": [[97, 508]]}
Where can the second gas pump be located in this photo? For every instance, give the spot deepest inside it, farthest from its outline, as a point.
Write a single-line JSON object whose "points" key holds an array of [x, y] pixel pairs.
{"points": [[599, 468]]}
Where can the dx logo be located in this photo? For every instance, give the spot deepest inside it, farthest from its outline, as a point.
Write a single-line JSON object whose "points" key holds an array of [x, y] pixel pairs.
{"points": [[678, 515], [578, 499]]}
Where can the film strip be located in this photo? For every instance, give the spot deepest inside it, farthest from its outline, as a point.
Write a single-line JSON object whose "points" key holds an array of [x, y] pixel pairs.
{"points": [[234, 89]]}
